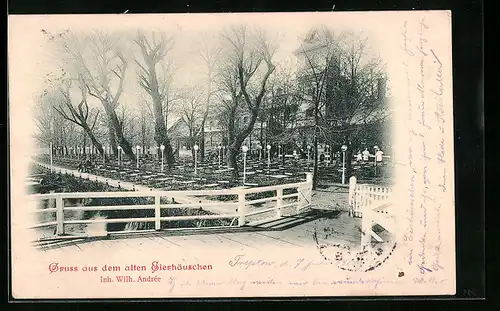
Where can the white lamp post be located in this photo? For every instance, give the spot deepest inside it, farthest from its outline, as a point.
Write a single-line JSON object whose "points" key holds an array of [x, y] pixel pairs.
{"points": [[268, 156], [51, 162], [119, 155], [260, 152], [162, 148], [244, 149], [196, 147], [279, 151], [344, 149], [137, 148], [219, 147]]}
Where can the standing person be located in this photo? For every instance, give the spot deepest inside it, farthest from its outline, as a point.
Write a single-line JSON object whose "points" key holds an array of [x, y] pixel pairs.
{"points": [[378, 155], [366, 155], [359, 157]]}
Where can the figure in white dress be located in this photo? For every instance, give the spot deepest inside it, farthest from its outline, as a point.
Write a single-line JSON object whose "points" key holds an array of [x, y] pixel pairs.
{"points": [[366, 155], [359, 156], [378, 155]]}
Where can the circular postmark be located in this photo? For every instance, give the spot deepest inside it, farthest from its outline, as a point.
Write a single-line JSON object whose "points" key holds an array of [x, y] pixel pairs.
{"points": [[345, 249]]}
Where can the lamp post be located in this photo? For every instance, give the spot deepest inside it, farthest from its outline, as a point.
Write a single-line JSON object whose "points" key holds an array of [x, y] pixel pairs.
{"points": [[162, 148], [244, 149], [219, 147], [195, 159], [137, 148], [279, 151], [344, 149], [51, 162], [260, 152], [268, 156]]}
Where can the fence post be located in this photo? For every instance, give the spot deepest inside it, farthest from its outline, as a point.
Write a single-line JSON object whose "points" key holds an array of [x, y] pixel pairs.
{"points": [[352, 189], [241, 209], [279, 202], [157, 213], [60, 215], [366, 227], [309, 180]]}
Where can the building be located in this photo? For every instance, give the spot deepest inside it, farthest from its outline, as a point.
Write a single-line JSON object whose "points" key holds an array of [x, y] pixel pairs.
{"points": [[340, 105]]}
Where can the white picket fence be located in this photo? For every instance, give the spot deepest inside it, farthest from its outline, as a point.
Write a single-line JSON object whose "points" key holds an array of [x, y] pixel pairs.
{"points": [[374, 204], [237, 210]]}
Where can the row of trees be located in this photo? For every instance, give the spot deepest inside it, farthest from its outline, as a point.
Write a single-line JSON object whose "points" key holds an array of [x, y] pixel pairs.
{"points": [[332, 94]]}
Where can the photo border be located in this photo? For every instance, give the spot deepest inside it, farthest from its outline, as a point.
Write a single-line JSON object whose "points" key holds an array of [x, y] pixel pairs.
{"points": [[468, 105]]}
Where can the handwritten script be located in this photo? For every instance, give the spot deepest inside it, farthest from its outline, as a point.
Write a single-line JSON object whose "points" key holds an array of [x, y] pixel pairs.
{"points": [[427, 159]]}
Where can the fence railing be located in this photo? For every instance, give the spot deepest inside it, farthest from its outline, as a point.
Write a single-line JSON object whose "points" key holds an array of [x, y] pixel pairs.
{"points": [[361, 195], [374, 204], [236, 209]]}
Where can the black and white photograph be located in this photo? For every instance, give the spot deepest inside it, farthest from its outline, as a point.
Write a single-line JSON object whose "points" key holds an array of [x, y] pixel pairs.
{"points": [[231, 155]]}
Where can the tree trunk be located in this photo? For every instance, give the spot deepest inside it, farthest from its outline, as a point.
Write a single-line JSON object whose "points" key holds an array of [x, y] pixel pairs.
{"points": [[232, 154], [316, 134], [112, 139], [84, 142], [93, 139], [316, 158], [161, 135], [202, 142], [127, 148]]}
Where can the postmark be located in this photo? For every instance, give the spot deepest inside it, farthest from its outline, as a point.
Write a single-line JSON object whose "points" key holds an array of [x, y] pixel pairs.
{"points": [[353, 257]]}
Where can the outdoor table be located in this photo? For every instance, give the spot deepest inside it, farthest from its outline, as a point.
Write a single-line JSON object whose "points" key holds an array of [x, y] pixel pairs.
{"points": [[164, 179], [279, 176], [210, 185], [250, 184], [240, 187]]}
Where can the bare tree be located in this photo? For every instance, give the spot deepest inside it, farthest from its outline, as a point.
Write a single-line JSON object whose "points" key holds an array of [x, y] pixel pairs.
{"points": [[245, 86], [193, 112], [153, 53], [79, 114], [338, 79], [282, 110], [98, 59], [210, 57]]}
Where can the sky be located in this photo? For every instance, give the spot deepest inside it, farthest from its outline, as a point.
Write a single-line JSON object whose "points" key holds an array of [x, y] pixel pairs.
{"points": [[187, 30], [30, 57]]}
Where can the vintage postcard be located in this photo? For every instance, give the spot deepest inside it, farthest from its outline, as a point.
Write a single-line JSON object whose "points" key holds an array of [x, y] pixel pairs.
{"points": [[231, 155]]}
